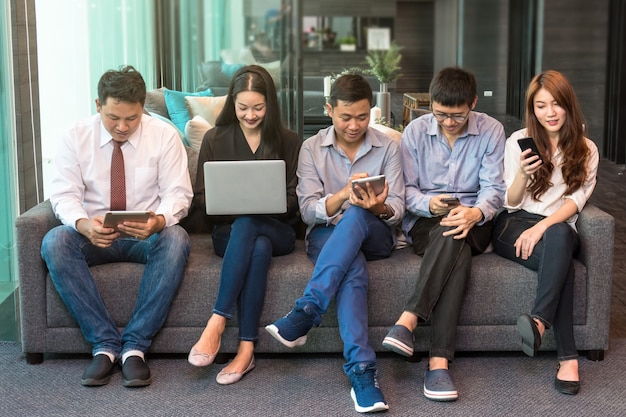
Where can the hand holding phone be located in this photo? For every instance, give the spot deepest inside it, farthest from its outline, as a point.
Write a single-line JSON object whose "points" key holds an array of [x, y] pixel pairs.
{"points": [[451, 201], [529, 143]]}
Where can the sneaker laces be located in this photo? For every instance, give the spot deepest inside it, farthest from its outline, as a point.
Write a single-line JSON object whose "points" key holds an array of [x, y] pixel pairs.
{"points": [[366, 378]]}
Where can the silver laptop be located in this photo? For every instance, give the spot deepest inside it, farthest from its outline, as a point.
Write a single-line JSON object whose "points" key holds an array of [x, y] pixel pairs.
{"points": [[245, 187]]}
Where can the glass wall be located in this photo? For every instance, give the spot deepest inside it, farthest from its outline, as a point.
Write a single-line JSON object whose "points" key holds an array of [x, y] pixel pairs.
{"points": [[8, 202], [96, 35], [177, 44]]}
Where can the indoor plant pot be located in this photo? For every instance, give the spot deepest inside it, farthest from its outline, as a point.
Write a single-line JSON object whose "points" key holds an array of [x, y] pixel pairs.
{"points": [[385, 66]]}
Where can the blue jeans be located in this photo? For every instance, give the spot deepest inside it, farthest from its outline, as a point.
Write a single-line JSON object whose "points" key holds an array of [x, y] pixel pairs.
{"points": [[69, 255], [552, 258], [340, 254], [247, 247]]}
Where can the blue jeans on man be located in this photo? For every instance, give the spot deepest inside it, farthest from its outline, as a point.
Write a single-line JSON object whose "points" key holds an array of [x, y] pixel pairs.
{"points": [[69, 255], [340, 254]]}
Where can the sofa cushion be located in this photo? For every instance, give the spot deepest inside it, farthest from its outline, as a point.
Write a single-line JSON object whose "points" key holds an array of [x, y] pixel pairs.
{"points": [[211, 74], [230, 69], [176, 107], [195, 130], [155, 102], [274, 69], [499, 290], [209, 108]]}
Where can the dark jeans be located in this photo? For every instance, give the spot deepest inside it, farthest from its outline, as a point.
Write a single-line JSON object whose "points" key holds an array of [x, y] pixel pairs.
{"points": [[552, 258], [247, 246], [442, 279]]}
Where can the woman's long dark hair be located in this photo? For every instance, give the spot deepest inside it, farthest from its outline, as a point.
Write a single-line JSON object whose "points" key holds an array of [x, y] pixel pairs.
{"points": [[571, 136], [256, 78]]}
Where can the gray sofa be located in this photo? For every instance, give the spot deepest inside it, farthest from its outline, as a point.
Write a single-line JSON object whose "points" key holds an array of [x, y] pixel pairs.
{"points": [[498, 292]]}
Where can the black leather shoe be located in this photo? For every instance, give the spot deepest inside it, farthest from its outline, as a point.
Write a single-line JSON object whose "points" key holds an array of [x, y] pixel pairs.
{"points": [[135, 372], [566, 387], [98, 372], [531, 339]]}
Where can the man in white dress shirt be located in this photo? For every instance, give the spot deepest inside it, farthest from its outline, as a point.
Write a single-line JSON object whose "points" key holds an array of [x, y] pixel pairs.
{"points": [[155, 179]]}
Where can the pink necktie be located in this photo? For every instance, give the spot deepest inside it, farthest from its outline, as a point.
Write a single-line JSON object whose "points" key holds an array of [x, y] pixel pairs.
{"points": [[118, 178]]}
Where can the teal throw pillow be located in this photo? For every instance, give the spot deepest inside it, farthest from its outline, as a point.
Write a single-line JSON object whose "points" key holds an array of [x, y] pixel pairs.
{"points": [[176, 107], [230, 69]]}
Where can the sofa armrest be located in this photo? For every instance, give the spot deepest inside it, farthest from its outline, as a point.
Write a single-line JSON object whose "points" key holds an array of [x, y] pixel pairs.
{"points": [[596, 229], [30, 228]]}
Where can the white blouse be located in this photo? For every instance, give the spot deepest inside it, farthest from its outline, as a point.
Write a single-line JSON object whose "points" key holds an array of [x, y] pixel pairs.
{"points": [[554, 197]]}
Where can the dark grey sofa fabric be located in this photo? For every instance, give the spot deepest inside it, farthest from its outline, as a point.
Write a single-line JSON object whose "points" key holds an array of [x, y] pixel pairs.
{"points": [[498, 291]]}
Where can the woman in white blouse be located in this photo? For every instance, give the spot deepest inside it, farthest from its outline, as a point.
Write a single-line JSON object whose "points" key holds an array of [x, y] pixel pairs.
{"points": [[538, 228]]}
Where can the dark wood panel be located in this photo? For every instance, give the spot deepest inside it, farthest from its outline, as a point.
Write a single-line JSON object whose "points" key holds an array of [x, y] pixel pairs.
{"points": [[330, 62], [575, 42], [372, 8], [485, 51], [415, 32]]}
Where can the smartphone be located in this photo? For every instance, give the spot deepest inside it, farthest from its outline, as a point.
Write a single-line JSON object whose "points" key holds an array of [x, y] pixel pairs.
{"points": [[529, 143], [377, 182], [451, 201]]}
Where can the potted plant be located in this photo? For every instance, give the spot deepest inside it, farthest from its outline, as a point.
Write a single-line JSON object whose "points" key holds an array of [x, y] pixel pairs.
{"points": [[347, 43], [384, 64]]}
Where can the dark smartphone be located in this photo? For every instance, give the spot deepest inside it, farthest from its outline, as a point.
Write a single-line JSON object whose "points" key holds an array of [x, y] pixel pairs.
{"points": [[529, 143], [451, 201]]}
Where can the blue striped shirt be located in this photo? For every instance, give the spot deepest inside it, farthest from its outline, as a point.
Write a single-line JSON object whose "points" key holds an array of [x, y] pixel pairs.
{"points": [[473, 170], [324, 169]]}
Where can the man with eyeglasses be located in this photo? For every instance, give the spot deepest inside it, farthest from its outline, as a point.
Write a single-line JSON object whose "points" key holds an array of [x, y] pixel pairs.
{"points": [[453, 172]]}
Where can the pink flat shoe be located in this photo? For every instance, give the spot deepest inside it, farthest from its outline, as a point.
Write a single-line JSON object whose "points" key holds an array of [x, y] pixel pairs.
{"points": [[197, 358], [227, 378]]}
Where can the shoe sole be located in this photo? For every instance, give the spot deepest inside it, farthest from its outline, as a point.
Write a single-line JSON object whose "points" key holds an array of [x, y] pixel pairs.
{"points": [[441, 395], [397, 346], [95, 382], [526, 332], [273, 330], [379, 406], [136, 382]]}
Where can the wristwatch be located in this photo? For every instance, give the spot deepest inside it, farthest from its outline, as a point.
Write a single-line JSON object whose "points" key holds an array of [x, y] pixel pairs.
{"points": [[387, 213]]}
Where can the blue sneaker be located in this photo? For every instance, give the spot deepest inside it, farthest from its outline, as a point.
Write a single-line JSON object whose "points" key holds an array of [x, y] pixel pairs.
{"points": [[292, 329], [367, 396]]}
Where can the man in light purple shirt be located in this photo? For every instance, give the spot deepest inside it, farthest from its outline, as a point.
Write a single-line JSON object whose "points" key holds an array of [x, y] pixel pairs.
{"points": [[453, 171], [345, 231], [156, 180]]}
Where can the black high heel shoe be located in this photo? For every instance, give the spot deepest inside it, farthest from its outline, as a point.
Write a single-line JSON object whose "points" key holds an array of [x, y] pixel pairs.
{"points": [[531, 338]]}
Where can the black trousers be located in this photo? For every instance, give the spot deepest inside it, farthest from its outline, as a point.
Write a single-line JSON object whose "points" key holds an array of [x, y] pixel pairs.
{"points": [[552, 258], [442, 279]]}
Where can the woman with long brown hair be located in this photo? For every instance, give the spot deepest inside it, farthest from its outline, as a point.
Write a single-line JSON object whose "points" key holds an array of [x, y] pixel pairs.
{"points": [[249, 127], [544, 195]]}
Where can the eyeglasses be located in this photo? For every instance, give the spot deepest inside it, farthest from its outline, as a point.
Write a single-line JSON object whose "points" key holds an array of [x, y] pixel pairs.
{"points": [[457, 118]]}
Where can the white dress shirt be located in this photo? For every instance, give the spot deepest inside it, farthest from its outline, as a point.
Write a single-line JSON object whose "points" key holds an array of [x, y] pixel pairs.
{"points": [[157, 177]]}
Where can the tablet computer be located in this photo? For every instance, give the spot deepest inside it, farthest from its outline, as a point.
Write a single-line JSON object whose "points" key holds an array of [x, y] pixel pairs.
{"points": [[113, 218], [377, 182]]}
